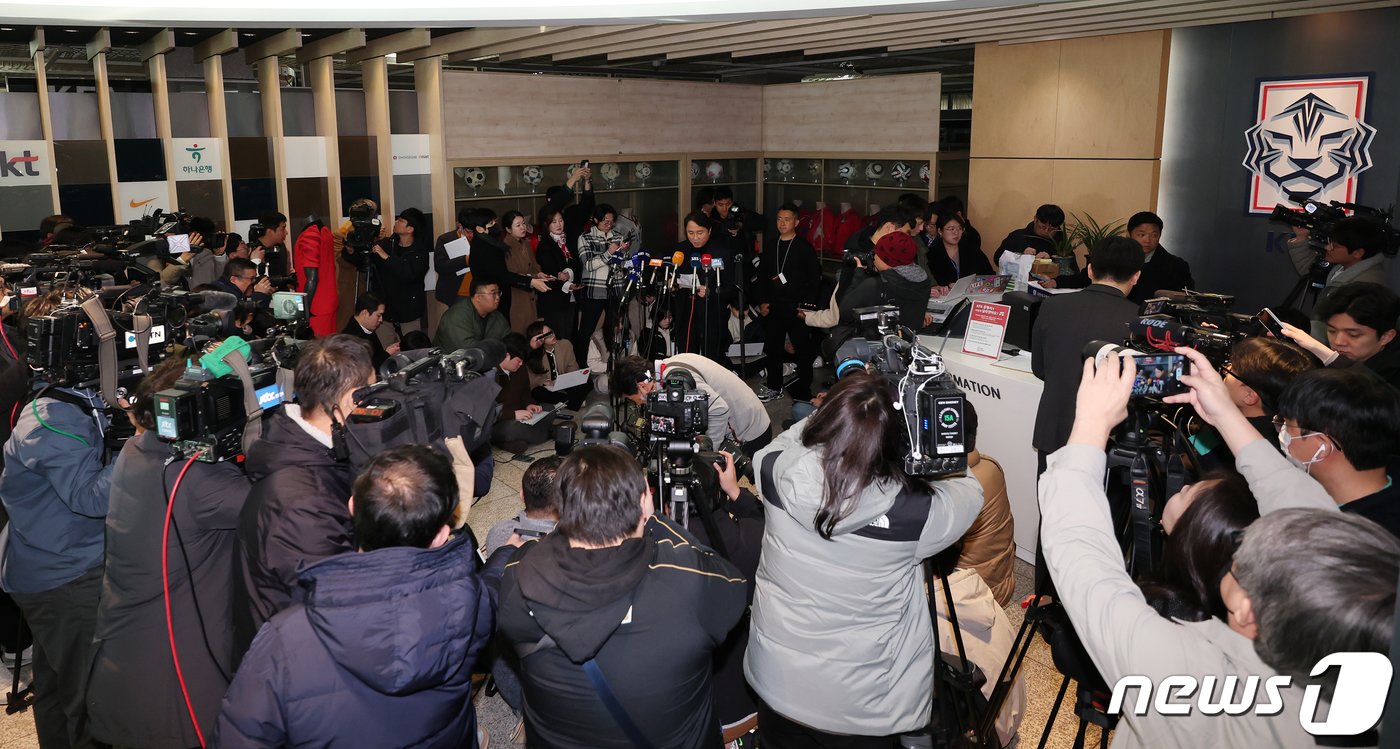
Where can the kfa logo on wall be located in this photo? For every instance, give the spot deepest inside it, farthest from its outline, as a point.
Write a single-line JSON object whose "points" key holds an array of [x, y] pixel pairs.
{"points": [[24, 162], [1310, 137]]}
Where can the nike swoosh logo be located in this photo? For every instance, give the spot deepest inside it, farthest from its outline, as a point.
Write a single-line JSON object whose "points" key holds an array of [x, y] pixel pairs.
{"points": [[135, 204]]}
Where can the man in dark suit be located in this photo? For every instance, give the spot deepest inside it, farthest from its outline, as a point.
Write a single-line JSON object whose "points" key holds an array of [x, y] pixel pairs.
{"points": [[369, 315], [1161, 270], [1067, 322], [1064, 325]]}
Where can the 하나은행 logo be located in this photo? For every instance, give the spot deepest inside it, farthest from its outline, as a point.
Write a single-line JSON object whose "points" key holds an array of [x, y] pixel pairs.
{"points": [[1363, 682]]}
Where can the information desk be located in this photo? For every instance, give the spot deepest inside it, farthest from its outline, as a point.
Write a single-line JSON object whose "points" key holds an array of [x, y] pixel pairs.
{"points": [[1006, 400]]}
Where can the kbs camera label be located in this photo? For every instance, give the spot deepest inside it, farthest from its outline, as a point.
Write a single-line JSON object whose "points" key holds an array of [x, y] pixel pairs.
{"points": [[157, 337], [1363, 681]]}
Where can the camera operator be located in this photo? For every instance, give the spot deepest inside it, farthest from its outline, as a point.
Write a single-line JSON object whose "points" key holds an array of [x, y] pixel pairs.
{"points": [[1283, 606], [378, 652], [1354, 249], [617, 607], [55, 488], [398, 265], [1360, 319], [739, 223], [242, 280], [131, 649], [296, 513], [732, 404], [208, 267], [268, 244], [841, 641], [894, 278], [790, 274]]}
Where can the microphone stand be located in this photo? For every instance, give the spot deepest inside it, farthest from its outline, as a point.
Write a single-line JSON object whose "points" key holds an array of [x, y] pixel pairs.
{"points": [[741, 366]]}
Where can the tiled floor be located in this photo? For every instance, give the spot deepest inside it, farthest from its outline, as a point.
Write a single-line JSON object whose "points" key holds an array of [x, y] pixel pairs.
{"points": [[1042, 679]]}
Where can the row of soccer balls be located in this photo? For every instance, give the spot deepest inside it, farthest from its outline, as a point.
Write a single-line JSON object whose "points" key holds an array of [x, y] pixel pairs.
{"points": [[875, 170]]}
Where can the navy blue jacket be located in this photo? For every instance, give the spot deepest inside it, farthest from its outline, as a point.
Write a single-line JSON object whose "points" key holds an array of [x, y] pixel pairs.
{"points": [[377, 652]]}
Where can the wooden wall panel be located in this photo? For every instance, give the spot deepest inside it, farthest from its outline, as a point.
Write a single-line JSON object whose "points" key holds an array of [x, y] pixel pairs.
{"points": [[892, 114], [534, 116], [1003, 194], [1111, 91], [676, 117], [1015, 96], [500, 115]]}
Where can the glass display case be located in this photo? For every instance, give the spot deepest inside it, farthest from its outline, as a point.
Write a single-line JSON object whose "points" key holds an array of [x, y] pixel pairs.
{"points": [[837, 197], [645, 190], [739, 175]]}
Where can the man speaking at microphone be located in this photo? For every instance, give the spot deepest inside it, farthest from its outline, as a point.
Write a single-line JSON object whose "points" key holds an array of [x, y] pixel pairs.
{"points": [[1067, 322]]}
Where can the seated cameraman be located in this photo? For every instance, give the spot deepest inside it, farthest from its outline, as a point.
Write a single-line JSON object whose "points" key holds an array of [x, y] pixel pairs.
{"points": [[55, 488], [378, 651], [1282, 604], [1360, 320], [1354, 249], [733, 406], [296, 513], [131, 648], [617, 607], [241, 279], [1343, 428]]}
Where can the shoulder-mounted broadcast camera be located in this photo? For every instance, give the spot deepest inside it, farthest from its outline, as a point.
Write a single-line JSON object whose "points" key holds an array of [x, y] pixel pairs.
{"points": [[933, 405]]}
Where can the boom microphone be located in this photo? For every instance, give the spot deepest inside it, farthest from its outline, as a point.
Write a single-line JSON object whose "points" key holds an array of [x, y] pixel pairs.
{"points": [[215, 300]]}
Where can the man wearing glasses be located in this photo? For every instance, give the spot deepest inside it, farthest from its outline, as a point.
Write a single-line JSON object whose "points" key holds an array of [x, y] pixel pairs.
{"points": [[474, 320]]}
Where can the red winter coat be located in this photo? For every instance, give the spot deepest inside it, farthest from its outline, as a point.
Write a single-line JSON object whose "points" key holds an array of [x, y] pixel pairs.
{"points": [[821, 232]]}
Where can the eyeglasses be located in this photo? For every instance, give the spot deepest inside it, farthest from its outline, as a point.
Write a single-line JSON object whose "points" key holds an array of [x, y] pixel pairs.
{"points": [[493, 292], [1281, 424]]}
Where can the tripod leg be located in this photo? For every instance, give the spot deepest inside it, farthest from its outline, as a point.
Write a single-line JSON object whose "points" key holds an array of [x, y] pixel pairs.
{"points": [[1054, 711]]}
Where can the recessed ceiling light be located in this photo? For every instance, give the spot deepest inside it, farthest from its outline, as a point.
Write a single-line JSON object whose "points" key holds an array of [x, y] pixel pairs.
{"points": [[132, 31], [71, 31], [247, 33], [6, 28], [188, 33], [304, 35]]}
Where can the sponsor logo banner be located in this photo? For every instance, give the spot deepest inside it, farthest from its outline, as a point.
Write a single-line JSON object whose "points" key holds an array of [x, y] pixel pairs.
{"points": [[196, 159], [24, 162]]}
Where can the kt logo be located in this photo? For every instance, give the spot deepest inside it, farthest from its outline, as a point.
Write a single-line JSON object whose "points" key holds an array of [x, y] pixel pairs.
{"points": [[10, 166]]}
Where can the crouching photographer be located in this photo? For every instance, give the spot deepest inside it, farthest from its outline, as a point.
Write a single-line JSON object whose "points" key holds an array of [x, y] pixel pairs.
{"points": [[1296, 568], [732, 406], [842, 641]]}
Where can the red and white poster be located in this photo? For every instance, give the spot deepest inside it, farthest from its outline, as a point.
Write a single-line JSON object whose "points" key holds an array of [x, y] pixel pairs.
{"points": [[986, 329]]}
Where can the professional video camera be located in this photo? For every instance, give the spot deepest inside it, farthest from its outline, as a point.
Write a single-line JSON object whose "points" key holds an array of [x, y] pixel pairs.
{"points": [[1319, 218], [933, 405], [1201, 321], [365, 228], [424, 397], [207, 411]]}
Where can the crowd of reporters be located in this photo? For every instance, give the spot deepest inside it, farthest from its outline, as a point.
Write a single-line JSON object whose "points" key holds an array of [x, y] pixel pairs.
{"points": [[309, 603]]}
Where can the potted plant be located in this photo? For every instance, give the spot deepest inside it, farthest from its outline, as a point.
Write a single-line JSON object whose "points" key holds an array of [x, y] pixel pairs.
{"points": [[1083, 231]]}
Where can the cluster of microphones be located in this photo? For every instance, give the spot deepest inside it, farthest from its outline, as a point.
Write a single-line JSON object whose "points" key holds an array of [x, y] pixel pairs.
{"points": [[653, 276]]}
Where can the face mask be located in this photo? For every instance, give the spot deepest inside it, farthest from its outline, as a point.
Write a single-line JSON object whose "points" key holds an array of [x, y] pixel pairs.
{"points": [[1285, 439]]}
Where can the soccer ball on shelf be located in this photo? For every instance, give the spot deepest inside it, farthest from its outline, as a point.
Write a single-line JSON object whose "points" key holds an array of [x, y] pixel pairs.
{"points": [[642, 172], [474, 178], [694, 171], [923, 173], [532, 176], [874, 171], [814, 168], [846, 171], [785, 169], [901, 172], [714, 170]]}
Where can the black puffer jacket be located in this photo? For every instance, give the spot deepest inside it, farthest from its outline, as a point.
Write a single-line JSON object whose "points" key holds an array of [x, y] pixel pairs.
{"points": [[296, 514], [377, 652], [906, 287]]}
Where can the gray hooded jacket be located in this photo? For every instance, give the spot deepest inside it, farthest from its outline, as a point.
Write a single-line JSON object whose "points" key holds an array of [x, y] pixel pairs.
{"points": [[841, 638]]}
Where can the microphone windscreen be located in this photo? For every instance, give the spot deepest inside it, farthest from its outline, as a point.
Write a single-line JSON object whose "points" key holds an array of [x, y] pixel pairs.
{"points": [[217, 300], [706, 259], [717, 263], [678, 258], [1160, 331]]}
